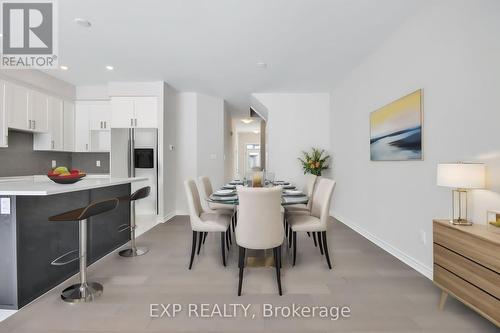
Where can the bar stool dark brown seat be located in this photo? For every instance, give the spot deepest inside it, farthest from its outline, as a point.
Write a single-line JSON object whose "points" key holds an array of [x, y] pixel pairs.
{"points": [[84, 291], [134, 251]]}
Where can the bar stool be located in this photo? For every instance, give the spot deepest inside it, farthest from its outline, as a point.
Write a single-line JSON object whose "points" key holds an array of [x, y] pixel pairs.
{"points": [[134, 251], [83, 291]]}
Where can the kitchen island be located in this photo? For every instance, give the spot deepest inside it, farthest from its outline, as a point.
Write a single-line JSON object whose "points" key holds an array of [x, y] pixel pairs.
{"points": [[29, 242]]}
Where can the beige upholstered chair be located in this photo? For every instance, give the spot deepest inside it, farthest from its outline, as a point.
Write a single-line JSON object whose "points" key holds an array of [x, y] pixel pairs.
{"points": [[309, 191], [259, 225], [206, 190], [202, 222], [317, 221], [302, 208]]}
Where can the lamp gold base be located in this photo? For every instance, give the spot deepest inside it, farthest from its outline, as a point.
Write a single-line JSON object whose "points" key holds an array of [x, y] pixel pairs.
{"points": [[460, 222]]}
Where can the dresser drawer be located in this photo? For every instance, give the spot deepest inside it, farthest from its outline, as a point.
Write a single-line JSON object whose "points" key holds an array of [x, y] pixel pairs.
{"points": [[482, 302], [468, 270], [483, 252]]}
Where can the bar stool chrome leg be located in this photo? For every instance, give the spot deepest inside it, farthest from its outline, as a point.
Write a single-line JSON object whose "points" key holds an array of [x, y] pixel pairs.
{"points": [[83, 291], [133, 251]]}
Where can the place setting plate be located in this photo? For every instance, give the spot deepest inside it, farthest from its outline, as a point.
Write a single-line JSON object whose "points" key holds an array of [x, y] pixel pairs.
{"points": [[236, 182], [225, 193], [228, 187], [293, 193]]}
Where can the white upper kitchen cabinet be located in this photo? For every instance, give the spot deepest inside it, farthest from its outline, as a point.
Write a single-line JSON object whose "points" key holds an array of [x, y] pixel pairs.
{"points": [[122, 112], [69, 126], [139, 112], [3, 117], [92, 126], [82, 128], [146, 112], [53, 139], [38, 116], [100, 115], [56, 123], [16, 107]]}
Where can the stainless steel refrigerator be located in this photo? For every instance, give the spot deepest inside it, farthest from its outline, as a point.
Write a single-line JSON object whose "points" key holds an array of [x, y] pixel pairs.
{"points": [[134, 153]]}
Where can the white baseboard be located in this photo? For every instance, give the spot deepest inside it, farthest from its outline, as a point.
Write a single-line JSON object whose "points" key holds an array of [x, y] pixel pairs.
{"points": [[4, 314], [167, 217], [410, 261]]}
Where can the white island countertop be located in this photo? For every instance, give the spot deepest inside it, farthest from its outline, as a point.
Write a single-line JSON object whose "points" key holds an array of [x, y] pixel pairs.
{"points": [[42, 185]]}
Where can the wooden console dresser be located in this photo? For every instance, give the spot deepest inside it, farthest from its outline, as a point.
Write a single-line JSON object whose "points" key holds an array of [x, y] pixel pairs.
{"points": [[467, 266]]}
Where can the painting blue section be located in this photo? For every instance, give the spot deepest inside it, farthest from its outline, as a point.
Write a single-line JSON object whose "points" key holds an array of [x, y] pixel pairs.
{"points": [[398, 146]]}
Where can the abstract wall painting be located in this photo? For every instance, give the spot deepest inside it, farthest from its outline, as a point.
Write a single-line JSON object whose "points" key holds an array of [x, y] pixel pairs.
{"points": [[396, 130]]}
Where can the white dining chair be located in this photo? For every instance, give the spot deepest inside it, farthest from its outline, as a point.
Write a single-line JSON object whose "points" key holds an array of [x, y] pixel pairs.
{"points": [[212, 207], [317, 221], [302, 208], [206, 189], [259, 225], [309, 191], [202, 223]]}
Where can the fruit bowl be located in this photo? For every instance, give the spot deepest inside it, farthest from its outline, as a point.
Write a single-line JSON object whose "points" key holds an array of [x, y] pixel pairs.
{"points": [[69, 179], [62, 175]]}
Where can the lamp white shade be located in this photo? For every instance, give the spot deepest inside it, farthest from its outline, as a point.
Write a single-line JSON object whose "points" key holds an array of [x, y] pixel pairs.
{"points": [[461, 175]]}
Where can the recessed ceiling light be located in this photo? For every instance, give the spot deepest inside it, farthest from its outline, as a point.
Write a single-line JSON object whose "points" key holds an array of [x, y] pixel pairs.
{"points": [[261, 65], [64, 67], [109, 68], [83, 22], [256, 131], [1, 35], [246, 121]]}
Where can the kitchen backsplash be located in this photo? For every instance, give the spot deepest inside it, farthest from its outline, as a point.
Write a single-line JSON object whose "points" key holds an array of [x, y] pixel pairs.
{"points": [[87, 162], [19, 159]]}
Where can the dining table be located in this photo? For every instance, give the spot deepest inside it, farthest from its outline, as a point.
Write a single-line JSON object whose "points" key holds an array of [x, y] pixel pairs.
{"points": [[227, 194]]}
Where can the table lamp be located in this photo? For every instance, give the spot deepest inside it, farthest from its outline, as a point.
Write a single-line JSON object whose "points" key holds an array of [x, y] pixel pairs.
{"points": [[461, 177]]}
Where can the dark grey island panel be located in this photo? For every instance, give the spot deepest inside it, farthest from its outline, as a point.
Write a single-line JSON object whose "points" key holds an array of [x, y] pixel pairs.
{"points": [[29, 242]]}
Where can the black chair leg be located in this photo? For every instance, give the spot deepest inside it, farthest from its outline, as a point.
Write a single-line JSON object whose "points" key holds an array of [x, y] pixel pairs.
{"points": [[230, 237], [308, 234], [276, 252], [200, 240], [193, 249], [279, 253], [227, 240], [223, 247], [325, 245], [205, 237], [290, 236], [241, 265], [320, 241], [294, 236], [314, 237]]}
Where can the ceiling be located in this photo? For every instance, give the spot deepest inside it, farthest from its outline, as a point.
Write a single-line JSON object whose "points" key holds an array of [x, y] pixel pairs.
{"points": [[213, 46], [240, 127]]}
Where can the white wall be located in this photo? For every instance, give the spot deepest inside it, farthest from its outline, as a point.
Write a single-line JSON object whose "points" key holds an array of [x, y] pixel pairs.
{"points": [[296, 122], [210, 138], [97, 92], [40, 81], [450, 49], [186, 151], [228, 146], [169, 156], [200, 142]]}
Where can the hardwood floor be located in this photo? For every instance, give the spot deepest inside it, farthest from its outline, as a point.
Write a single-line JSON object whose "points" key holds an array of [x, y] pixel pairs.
{"points": [[384, 294]]}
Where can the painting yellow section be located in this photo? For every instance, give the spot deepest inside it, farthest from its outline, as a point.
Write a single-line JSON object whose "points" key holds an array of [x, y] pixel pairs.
{"points": [[408, 106]]}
